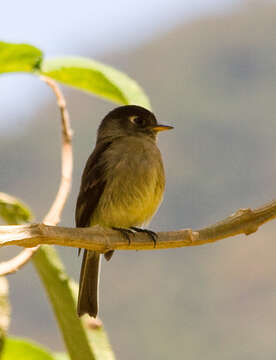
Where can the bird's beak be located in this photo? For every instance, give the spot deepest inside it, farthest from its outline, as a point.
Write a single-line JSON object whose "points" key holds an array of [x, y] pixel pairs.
{"points": [[160, 127]]}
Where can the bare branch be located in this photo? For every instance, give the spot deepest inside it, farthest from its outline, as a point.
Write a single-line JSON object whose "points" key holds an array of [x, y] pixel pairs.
{"points": [[53, 215], [244, 221]]}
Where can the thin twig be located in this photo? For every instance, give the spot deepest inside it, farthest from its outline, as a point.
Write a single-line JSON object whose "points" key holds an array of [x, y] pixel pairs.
{"points": [[244, 221], [53, 215]]}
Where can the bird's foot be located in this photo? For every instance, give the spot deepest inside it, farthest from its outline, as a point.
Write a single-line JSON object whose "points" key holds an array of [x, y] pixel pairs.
{"points": [[127, 233], [150, 233]]}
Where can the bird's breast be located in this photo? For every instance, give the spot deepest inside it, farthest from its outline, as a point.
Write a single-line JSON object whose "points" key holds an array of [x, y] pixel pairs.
{"points": [[135, 184]]}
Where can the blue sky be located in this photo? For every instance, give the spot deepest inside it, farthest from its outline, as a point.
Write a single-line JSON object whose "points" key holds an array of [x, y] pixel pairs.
{"points": [[62, 27]]}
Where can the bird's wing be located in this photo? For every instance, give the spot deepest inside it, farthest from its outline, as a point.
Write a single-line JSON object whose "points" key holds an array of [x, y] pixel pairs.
{"points": [[92, 186]]}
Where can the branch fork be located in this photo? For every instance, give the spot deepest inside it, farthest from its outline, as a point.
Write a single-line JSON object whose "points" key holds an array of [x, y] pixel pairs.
{"points": [[54, 214]]}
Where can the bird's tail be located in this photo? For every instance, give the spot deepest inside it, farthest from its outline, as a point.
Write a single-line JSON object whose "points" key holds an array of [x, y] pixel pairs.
{"points": [[89, 283]]}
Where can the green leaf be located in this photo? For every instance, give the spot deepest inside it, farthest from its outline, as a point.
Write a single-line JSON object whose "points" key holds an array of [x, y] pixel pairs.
{"points": [[58, 288], [19, 57], [61, 356], [4, 311], [21, 349], [13, 211], [94, 77], [79, 72], [82, 342]]}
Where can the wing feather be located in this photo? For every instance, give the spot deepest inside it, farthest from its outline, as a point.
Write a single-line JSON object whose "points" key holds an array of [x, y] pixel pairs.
{"points": [[92, 186]]}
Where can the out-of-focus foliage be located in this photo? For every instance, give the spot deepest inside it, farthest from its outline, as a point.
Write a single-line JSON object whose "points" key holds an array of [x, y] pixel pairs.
{"points": [[82, 73], [63, 297], [4, 310], [19, 57], [60, 356], [22, 349], [96, 78], [14, 211]]}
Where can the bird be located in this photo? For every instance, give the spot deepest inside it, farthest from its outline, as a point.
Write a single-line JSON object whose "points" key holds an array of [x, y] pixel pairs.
{"points": [[122, 186]]}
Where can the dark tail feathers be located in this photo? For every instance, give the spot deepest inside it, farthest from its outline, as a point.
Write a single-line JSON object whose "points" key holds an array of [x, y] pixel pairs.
{"points": [[88, 288]]}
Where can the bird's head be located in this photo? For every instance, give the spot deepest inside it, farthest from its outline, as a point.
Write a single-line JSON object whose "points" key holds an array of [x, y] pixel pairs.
{"points": [[130, 120]]}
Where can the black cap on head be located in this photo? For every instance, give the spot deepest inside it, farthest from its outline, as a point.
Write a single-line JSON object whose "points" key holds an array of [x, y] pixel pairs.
{"points": [[130, 120], [129, 110]]}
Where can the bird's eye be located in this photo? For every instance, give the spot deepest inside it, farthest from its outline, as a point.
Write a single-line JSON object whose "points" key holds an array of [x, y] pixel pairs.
{"points": [[137, 120]]}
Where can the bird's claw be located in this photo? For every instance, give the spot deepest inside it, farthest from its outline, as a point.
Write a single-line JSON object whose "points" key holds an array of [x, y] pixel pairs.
{"points": [[126, 233], [150, 233]]}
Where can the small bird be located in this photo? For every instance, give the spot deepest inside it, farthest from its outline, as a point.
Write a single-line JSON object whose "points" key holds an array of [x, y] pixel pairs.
{"points": [[121, 188]]}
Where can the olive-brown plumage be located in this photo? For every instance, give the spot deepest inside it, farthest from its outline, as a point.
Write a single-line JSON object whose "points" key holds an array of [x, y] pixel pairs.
{"points": [[122, 185]]}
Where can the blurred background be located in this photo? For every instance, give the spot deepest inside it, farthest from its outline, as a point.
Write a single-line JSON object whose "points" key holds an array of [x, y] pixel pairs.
{"points": [[209, 68]]}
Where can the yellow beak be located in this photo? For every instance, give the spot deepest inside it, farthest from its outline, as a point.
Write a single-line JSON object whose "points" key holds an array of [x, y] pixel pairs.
{"points": [[160, 127]]}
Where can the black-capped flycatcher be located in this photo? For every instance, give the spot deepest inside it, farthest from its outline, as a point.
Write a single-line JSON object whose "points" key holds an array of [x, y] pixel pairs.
{"points": [[122, 186]]}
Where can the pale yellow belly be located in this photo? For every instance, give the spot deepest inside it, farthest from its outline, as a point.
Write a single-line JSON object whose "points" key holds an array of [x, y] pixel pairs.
{"points": [[125, 205], [133, 191]]}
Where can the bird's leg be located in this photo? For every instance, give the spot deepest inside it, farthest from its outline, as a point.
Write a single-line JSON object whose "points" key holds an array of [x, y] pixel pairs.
{"points": [[127, 233], [150, 233]]}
